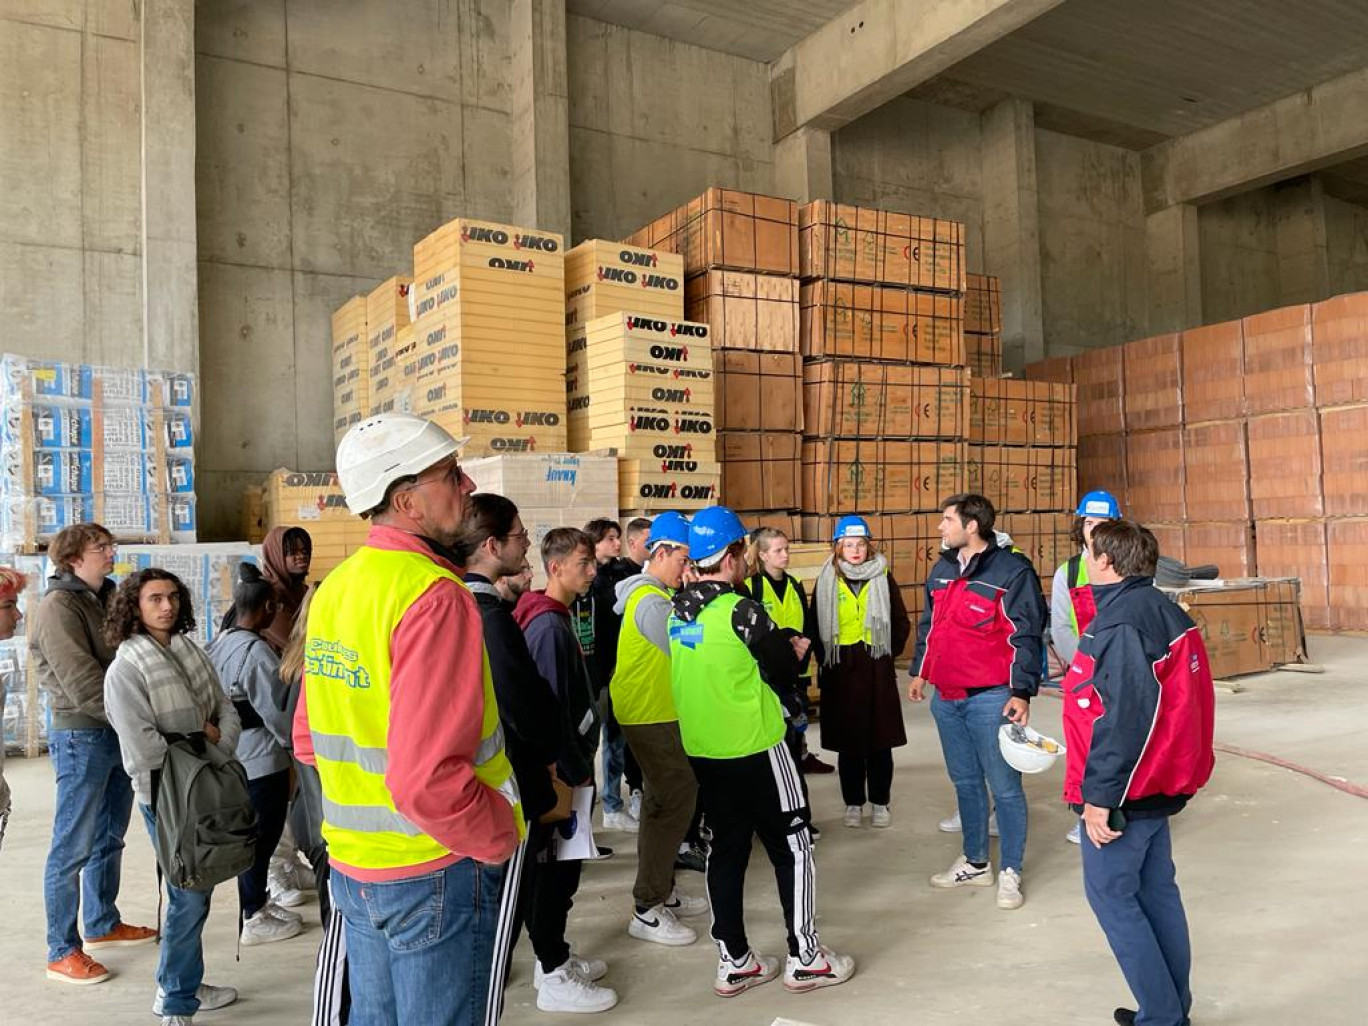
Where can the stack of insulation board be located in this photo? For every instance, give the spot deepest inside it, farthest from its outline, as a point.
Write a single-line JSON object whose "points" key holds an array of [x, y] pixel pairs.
{"points": [[80, 443], [644, 387], [983, 325], [550, 490], [740, 256], [604, 278], [314, 501], [389, 339], [489, 328], [351, 366]]}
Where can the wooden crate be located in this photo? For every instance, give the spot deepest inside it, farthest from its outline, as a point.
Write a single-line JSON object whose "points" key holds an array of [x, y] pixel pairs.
{"points": [[761, 470], [1023, 479], [845, 319], [983, 355], [604, 278], [1015, 412], [759, 391], [850, 399], [746, 311], [876, 476], [982, 304], [852, 243], [724, 228], [350, 365]]}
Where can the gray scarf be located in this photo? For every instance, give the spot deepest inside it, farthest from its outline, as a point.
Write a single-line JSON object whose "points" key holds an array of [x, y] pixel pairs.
{"points": [[878, 611]]}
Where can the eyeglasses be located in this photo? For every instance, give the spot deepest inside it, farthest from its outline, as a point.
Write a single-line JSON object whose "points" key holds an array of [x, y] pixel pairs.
{"points": [[519, 535], [450, 474], [108, 546]]}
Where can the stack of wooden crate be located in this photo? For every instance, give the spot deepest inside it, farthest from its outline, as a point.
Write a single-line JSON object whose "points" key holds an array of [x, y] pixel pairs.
{"points": [[351, 365], [740, 262], [983, 325]]}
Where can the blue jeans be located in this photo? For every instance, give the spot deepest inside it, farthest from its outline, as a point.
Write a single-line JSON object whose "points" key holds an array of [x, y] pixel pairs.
{"points": [[614, 756], [180, 962], [1131, 887], [969, 738], [420, 950], [94, 802]]}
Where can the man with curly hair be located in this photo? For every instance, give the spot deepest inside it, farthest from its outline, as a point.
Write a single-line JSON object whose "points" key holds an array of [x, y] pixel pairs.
{"points": [[94, 796]]}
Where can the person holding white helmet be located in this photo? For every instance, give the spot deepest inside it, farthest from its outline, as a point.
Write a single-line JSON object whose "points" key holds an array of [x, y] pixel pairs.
{"points": [[645, 709], [862, 623], [734, 675], [397, 710]]}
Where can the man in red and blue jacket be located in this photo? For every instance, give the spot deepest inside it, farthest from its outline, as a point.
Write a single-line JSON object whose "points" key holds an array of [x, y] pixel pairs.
{"points": [[979, 645], [1139, 713]]}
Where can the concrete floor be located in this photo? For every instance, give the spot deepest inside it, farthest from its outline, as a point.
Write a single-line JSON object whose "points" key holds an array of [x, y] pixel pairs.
{"points": [[1272, 863]]}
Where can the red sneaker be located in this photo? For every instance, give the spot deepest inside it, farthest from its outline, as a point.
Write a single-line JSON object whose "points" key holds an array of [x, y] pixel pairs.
{"points": [[123, 936], [77, 968]]}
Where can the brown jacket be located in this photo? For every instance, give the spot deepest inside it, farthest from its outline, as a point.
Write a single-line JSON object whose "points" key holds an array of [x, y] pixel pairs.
{"points": [[66, 640]]}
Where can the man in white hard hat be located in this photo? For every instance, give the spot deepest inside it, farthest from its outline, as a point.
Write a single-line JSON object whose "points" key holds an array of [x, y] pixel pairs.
{"points": [[421, 811]]}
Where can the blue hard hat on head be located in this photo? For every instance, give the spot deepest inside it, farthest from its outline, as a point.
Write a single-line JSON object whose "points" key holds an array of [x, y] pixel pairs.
{"points": [[712, 530], [850, 527], [1100, 504], [668, 529]]}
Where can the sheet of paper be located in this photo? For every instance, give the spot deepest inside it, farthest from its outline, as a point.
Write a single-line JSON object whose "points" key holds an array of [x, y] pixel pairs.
{"points": [[580, 844]]}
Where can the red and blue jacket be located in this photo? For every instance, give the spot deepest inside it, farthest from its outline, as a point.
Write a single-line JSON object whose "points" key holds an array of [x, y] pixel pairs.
{"points": [[981, 628], [1139, 705]]}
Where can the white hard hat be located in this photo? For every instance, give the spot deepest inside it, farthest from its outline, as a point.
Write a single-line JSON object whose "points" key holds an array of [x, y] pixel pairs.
{"points": [[1027, 751], [379, 451]]}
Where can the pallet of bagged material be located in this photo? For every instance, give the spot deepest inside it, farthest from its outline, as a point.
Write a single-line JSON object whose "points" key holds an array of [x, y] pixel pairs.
{"points": [[851, 399], [1017, 479], [682, 485], [761, 470], [983, 355], [1011, 411], [846, 476], [982, 304], [758, 391], [604, 278], [746, 311], [725, 228], [873, 322], [850, 243]]}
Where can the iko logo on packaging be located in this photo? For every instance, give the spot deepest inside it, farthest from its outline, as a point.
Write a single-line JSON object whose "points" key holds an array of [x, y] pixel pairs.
{"points": [[639, 258], [673, 452], [670, 490], [525, 266]]}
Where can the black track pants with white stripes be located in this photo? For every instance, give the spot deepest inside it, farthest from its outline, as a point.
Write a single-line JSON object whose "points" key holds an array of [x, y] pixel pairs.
{"points": [[758, 795]]}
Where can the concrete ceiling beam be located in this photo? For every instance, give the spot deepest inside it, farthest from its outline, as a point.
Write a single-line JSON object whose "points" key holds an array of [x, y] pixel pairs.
{"points": [[880, 49], [1307, 131]]}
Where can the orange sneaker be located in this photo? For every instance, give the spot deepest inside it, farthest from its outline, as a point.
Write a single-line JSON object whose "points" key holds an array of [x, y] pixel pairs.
{"points": [[78, 968], [123, 936]]}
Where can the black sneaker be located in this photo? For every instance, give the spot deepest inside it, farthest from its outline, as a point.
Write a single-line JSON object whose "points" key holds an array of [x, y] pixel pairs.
{"points": [[605, 852], [1124, 1017], [695, 858]]}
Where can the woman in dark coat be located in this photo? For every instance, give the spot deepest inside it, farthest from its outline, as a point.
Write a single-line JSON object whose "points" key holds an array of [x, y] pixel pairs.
{"points": [[863, 623]]}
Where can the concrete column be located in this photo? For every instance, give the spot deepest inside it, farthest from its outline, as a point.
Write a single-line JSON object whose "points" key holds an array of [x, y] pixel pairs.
{"points": [[540, 116], [1303, 252], [1174, 269], [802, 165], [1011, 227], [170, 283]]}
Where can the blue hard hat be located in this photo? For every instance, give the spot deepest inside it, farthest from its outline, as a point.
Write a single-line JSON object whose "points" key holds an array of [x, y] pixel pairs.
{"points": [[712, 530], [668, 528], [1100, 504], [850, 527]]}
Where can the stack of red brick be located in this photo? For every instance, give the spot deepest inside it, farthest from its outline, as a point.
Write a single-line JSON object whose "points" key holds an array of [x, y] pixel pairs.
{"points": [[1243, 444]]}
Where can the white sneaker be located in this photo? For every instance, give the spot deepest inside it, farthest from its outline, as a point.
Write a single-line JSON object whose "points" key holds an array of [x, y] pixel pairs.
{"points": [[566, 991], [952, 825], [962, 874], [281, 912], [634, 805], [280, 883], [1075, 834], [659, 926], [211, 998], [751, 971], [264, 928], [623, 821], [881, 816], [177, 1020], [827, 969], [683, 905], [590, 969], [1009, 889], [853, 814]]}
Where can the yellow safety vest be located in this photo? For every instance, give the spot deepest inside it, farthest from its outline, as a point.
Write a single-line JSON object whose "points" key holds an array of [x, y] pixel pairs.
{"points": [[347, 665], [786, 614], [851, 609], [640, 688]]}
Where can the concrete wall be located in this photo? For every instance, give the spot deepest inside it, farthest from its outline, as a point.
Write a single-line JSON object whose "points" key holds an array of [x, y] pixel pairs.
{"points": [[917, 158], [1239, 247], [1346, 231], [1092, 243], [331, 138], [653, 123]]}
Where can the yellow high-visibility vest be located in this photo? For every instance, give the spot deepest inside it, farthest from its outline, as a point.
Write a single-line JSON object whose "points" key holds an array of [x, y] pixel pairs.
{"points": [[788, 613], [640, 688], [851, 611], [347, 665]]}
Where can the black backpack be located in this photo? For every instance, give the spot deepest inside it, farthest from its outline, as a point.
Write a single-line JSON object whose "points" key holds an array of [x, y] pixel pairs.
{"points": [[206, 823]]}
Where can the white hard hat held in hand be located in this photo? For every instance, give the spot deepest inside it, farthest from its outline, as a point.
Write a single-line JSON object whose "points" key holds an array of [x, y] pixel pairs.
{"points": [[1026, 750], [382, 449]]}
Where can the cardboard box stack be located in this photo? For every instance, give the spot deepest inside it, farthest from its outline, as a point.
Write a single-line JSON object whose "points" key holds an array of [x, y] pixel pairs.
{"points": [[79, 442], [489, 336], [739, 254], [1241, 444], [390, 340], [983, 325], [351, 365]]}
